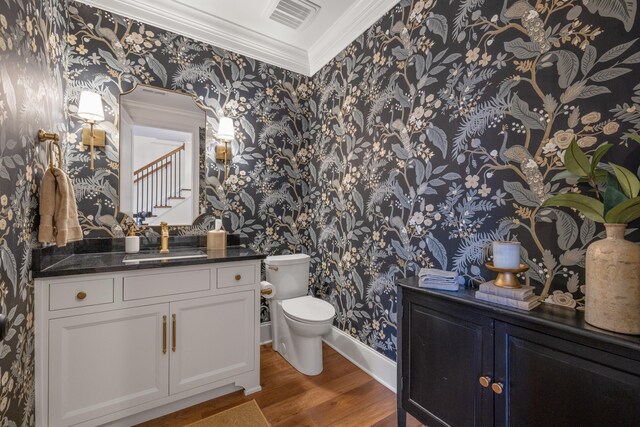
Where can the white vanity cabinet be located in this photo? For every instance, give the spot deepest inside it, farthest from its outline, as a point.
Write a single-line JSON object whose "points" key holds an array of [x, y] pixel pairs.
{"points": [[104, 362], [214, 339], [121, 348]]}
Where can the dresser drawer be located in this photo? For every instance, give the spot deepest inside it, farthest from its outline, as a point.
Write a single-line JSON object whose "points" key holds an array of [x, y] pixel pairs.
{"points": [[80, 293], [236, 276], [156, 285]]}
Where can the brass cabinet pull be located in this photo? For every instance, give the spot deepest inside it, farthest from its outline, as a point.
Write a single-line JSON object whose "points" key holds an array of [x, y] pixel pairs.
{"points": [[164, 334], [173, 333], [81, 295], [238, 277], [485, 381], [497, 388]]}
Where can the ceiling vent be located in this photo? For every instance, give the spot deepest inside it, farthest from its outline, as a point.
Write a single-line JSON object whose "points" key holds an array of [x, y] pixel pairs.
{"points": [[295, 14]]}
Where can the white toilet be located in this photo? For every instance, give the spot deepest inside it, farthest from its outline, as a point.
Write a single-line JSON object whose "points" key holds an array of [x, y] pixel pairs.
{"points": [[298, 320]]}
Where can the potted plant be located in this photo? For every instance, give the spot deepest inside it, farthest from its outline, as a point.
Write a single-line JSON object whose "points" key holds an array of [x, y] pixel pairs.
{"points": [[612, 299]]}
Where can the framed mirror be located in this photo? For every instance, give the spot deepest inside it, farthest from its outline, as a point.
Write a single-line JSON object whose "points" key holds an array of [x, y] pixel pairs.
{"points": [[162, 155]]}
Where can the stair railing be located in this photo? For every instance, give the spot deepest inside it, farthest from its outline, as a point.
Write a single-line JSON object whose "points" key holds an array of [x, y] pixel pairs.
{"points": [[159, 181]]}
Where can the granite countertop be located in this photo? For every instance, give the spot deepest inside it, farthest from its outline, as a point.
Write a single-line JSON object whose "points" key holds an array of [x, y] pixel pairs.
{"points": [[107, 255], [555, 317]]}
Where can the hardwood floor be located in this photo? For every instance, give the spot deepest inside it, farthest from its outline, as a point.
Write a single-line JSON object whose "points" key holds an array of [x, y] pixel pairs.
{"points": [[343, 395]]}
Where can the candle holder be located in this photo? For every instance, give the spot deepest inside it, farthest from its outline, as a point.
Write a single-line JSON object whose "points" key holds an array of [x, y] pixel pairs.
{"points": [[507, 276]]}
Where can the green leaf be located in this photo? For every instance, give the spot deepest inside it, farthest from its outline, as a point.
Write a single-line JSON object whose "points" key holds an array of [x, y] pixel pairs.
{"points": [[576, 161], [633, 136], [612, 197], [563, 175], [625, 212], [600, 175], [589, 207], [628, 180], [597, 156]]}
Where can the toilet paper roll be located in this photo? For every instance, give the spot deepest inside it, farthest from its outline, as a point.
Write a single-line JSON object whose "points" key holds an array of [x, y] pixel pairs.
{"points": [[267, 289]]}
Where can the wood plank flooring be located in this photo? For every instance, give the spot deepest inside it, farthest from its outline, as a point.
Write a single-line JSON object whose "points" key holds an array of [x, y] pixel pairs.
{"points": [[343, 395]]}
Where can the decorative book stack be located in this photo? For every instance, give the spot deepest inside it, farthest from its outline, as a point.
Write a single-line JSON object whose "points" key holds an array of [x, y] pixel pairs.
{"points": [[522, 298]]}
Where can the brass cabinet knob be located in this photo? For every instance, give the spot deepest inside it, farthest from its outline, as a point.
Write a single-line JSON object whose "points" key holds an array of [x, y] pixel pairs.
{"points": [[497, 388], [238, 277], [485, 381], [81, 295]]}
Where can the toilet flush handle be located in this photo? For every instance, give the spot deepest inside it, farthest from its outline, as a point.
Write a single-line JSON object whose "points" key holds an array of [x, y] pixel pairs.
{"points": [[273, 267]]}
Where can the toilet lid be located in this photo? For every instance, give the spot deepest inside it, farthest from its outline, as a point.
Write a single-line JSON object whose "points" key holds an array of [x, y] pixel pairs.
{"points": [[308, 309]]}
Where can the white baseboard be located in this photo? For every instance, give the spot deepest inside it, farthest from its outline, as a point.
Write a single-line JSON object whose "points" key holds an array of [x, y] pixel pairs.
{"points": [[364, 357], [265, 333]]}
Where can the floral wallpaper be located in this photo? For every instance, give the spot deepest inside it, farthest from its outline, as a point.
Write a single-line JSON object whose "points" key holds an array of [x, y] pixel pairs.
{"points": [[31, 97], [263, 197], [443, 128], [437, 131]]}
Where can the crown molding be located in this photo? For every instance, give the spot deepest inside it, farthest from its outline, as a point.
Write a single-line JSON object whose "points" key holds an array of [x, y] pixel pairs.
{"points": [[181, 18], [345, 30]]}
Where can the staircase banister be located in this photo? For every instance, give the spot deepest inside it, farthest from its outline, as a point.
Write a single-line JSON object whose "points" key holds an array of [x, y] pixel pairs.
{"points": [[160, 159], [151, 172]]}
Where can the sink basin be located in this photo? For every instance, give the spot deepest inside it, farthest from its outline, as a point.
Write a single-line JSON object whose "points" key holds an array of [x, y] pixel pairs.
{"points": [[157, 256]]}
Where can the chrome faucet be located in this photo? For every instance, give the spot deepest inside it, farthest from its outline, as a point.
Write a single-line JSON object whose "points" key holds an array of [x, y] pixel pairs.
{"points": [[164, 239]]}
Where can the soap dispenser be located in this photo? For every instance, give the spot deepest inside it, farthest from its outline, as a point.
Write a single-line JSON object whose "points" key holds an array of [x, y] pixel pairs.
{"points": [[217, 239], [132, 242]]}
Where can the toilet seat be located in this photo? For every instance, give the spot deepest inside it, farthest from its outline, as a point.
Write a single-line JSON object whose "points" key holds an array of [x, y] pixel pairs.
{"points": [[308, 309]]}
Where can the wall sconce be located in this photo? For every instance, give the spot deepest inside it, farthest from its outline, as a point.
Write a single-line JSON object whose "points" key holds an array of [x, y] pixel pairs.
{"points": [[226, 133], [91, 111]]}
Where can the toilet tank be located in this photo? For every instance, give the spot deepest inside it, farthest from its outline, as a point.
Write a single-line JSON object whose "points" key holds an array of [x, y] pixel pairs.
{"points": [[289, 274]]}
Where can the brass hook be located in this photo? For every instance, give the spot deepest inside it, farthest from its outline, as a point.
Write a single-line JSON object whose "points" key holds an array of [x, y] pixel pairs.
{"points": [[45, 136]]}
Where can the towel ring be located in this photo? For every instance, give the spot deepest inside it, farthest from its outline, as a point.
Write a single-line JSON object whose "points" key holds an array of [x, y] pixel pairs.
{"points": [[54, 139]]}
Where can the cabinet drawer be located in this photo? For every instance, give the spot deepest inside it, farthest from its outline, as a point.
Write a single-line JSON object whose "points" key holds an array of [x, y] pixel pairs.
{"points": [[156, 285], [80, 293], [236, 276]]}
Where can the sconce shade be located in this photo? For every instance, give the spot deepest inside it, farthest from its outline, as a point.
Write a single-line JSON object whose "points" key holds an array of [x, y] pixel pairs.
{"points": [[90, 106], [225, 129]]}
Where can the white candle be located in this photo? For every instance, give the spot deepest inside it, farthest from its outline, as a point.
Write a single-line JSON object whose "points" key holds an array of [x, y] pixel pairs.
{"points": [[506, 255]]}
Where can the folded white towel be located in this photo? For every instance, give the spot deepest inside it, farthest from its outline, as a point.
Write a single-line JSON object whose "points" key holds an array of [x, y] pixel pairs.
{"points": [[433, 278], [434, 272], [441, 286]]}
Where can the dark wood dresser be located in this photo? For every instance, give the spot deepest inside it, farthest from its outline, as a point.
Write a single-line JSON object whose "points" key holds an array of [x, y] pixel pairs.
{"points": [[465, 362]]}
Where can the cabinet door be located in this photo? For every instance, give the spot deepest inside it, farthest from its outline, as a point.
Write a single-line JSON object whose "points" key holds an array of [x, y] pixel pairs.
{"points": [[214, 339], [445, 350], [105, 362], [550, 381]]}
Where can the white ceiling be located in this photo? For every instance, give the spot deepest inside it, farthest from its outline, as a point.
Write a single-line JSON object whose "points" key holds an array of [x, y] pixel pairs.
{"points": [[243, 26]]}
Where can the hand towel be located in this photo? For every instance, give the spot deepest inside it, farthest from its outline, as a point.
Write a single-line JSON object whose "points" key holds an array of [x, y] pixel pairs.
{"points": [[66, 215], [47, 207], [58, 211]]}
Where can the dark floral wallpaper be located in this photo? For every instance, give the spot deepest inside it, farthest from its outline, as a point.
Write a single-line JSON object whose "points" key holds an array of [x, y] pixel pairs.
{"points": [[437, 131], [31, 97], [263, 197], [442, 128]]}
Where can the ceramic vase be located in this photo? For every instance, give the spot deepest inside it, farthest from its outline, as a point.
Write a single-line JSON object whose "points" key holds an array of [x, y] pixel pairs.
{"points": [[612, 299]]}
